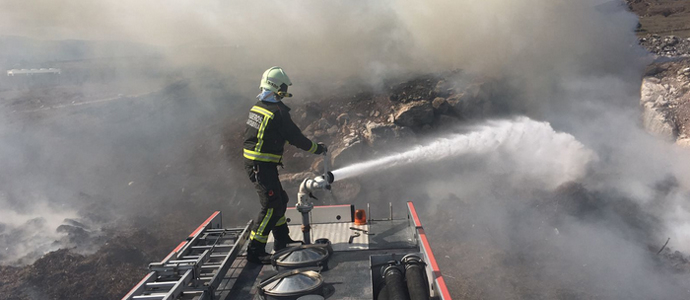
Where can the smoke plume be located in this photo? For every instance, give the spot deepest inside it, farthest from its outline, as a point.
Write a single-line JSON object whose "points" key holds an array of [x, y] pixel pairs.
{"points": [[574, 65]]}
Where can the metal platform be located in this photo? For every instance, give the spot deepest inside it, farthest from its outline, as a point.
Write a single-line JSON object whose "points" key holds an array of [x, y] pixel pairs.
{"points": [[353, 268]]}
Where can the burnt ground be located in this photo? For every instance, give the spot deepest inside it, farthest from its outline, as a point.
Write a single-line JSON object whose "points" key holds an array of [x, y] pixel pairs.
{"points": [[471, 269], [476, 264], [151, 180]]}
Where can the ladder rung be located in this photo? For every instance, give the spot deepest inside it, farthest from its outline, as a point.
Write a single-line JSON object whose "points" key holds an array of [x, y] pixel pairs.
{"points": [[161, 284], [193, 258], [189, 293], [150, 297], [185, 260], [211, 246], [214, 266], [218, 237], [195, 252]]}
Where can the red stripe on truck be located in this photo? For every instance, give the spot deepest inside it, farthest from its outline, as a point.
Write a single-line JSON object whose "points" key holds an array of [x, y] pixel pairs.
{"points": [[415, 217], [434, 265], [203, 225], [174, 251], [144, 280], [438, 277]]}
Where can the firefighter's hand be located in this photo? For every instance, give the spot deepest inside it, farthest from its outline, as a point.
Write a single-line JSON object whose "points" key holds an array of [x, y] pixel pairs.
{"points": [[321, 148]]}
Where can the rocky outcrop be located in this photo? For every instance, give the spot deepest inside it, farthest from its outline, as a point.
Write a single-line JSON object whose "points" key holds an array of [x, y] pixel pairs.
{"points": [[343, 119], [656, 117], [420, 103], [349, 151], [372, 122], [422, 88], [381, 134], [376, 121], [475, 101], [666, 45], [320, 129], [440, 106], [664, 100], [414, 114]]}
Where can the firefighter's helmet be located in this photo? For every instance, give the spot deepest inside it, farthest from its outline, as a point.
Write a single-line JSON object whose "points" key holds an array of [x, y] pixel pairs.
{"points": [[275, 80]]}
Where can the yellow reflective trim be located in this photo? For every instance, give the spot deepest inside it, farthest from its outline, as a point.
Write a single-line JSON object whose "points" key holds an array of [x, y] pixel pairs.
{"points": [[258, 156], [281, 221], [260, 136], [263, 111], [264, 222], [260, 238], [264, 123], [247, 151], [313, 148]]}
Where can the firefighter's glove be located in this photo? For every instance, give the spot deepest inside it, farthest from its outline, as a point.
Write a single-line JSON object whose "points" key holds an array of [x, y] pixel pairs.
{"points": [[321, 148]]}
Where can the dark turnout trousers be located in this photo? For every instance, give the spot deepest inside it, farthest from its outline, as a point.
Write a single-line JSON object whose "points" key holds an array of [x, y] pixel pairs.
{"points": [[274, 201]]}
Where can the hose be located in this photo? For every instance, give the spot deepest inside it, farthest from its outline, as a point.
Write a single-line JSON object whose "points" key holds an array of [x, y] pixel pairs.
{"points": [[417, 283], [395, 285], [383, 293]]}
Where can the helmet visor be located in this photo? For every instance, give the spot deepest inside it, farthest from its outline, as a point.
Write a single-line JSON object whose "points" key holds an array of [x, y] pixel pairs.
{"points": [[282, 92]]}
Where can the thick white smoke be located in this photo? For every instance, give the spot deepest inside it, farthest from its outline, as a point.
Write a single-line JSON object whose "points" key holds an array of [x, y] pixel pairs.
{"points": [[25, 237], [574, 66], [324, 43]]}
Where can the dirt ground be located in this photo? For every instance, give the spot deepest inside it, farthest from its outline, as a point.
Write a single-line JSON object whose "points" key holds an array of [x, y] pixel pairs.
{"points": [[662, 17]]}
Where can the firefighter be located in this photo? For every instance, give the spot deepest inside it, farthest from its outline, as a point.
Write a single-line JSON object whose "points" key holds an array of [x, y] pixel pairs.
{"points": [[268, 129]]}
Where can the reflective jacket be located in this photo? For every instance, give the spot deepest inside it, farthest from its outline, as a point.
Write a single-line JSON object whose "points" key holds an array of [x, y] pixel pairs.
{"points": [[268, 129]]}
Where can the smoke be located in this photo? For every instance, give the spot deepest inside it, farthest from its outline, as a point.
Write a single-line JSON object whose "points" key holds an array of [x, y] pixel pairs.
{"points": [[315, 41], [71, 170], [575, 66], [24, 237]]}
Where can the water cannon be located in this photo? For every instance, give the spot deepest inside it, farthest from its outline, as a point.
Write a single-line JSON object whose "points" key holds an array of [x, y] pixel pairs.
{"points": [[310, 185], [306, 188]]}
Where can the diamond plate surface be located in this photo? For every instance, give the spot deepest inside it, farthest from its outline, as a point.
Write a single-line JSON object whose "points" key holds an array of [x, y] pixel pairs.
{"points": [[338, 233]]}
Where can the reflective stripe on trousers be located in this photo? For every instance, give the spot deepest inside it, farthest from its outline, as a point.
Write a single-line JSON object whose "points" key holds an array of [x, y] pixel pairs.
{"points": [[264, 157]]}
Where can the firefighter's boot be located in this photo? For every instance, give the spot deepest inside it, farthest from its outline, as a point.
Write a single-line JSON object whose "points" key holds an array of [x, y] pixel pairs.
{"points": [[256, 253], [281, 237]]}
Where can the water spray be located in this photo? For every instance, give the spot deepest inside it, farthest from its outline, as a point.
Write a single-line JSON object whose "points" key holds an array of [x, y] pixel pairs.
{"points": [[533, 146]]}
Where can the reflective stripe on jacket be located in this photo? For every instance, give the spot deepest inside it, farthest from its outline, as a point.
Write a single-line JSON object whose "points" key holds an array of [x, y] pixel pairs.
{"points": [[269, 126]]}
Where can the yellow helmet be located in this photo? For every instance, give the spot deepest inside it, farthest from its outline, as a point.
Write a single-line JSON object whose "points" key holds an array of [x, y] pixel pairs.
{"points": [[275, 80]]}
